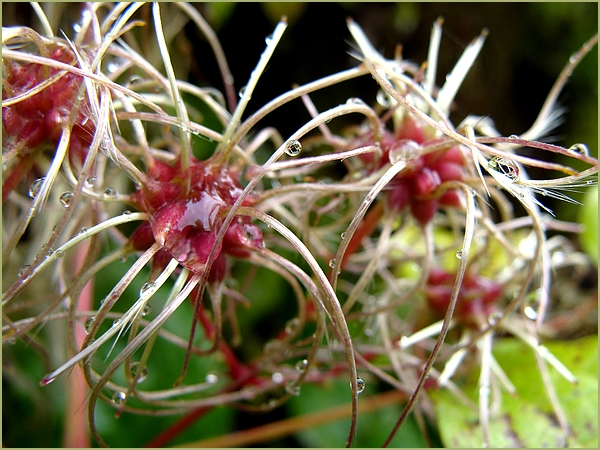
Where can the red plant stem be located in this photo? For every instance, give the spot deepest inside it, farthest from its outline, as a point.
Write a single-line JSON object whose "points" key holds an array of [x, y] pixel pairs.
{"points": [[173, 431], [237, 370], [240, 373], [366, 227], [77, 430]]}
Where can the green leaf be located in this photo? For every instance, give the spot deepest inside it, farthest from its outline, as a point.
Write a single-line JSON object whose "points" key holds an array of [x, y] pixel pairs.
{"points": [[373, 427], [528, 419]]}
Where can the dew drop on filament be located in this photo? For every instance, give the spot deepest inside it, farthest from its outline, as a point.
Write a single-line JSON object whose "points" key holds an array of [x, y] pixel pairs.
{"points": [[35, 187], [360, 385], [147, 287], [24, 269], [112, 67], [403, 150], [118, 397], [211, 378], [292, 325], [459, 254], [277, 378], [383, 99], [65, 199], [530, 313], [301, 365], [495, 317], [88, 324], [506, 167], [355, 101], [292, 388], [135, 367], [580, 149], [293, 148], [110, 192]]}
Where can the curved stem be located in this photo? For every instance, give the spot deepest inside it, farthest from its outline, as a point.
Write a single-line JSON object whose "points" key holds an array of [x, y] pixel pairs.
{"points": [[462, 267]]}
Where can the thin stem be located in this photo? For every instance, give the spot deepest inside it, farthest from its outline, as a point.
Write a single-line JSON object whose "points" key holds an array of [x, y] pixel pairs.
{"points": [[186, 146]]}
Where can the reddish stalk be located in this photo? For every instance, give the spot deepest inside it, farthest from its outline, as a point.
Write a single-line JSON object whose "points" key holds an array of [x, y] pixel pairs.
{"points": [[77, 429], [366, 228], [239, 372]]}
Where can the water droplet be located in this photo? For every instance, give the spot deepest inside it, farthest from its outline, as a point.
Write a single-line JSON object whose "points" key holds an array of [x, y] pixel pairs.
{"points": [[292, 388], [87, 326], [112, 67], [293, 148], [35, 187], [11, 340], [383, 99], [147, 287], [134, 79], [242, 92], [116, 322], [269, 39], [514, 136], [110, 192], [83, 230], [135, 367], [76, 27], [589, 182], [59, 253], [343, 235], [118, 397], [147, 310], [292, 325], [403, 150], [355, 101], [65, 199], [495, 317], [360, 385], [558, 258], [506, 167], [272, 346], [368, 332], [301, 365], [277, 378], [211, 378], [332, 262], [459, 254], [530, 313], [580, 149], [126, 212], [24, 269]]}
